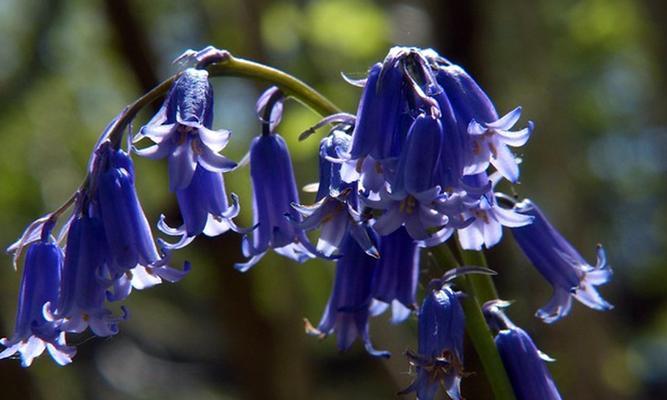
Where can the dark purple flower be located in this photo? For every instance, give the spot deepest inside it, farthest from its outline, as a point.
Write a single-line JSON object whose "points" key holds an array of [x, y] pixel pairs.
{"points": [[418, 163], [488, 217], [335, 212], [85, 281], [332, 149], [439, 360], [128, 233], [33, 333], [204, 208], [182, 131], [274, 193], [336, 217], [377, 130], [397, 275], [524, 363], [488, 136], [452, 152], [347, 310], [133, 257], [412, 198], [562, 266]]}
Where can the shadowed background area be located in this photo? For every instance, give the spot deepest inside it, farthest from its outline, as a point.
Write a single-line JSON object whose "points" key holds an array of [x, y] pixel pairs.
{"points": [[590, 73]]}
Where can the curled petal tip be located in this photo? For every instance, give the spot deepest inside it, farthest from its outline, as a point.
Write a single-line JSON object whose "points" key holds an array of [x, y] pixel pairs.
{"points": [[311, 330]]}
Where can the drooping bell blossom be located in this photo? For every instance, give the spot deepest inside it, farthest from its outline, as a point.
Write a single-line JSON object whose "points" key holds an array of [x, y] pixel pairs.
{"points": [[488, 217], [529, 376], [182, 131], [397, 274], [347, 310], [524, 363], [274, 193], [452, 153], [86, 280], [561, 265], [33, 333], [133, 256], [204, 208], [335, 212], [376, 132], [439, 360], [127, 230], [411, 201], [332, 148], [336, 217], [487, 135]]}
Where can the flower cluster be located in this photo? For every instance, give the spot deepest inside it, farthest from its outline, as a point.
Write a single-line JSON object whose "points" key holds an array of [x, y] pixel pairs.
{"points": [[419, 162], [110, 250]]}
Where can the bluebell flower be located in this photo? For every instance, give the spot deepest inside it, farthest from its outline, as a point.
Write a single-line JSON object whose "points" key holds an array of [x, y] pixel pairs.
{"points": [[86, 279], [377, 130], [204, 208], [128, 233], [347, 310], [397, 275], [411, 200], [562, 266], [439, 360], [417, 165], [524, 363], [33, 333], [182, 131], [274, 193], [452, 153], [488, 217], [133, 256], [488, 135], [335, 212], [332, 149], [336, 217]]}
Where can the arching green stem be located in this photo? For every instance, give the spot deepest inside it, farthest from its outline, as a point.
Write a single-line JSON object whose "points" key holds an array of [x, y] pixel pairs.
{"points": [[291, 86]]}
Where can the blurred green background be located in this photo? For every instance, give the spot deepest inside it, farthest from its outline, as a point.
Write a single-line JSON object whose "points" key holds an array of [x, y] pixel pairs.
{"points": [[591, 74]]}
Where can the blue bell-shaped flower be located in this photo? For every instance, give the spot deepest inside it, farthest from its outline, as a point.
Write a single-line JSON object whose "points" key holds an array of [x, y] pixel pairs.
{"points": [[562, 266], [33, 332]]}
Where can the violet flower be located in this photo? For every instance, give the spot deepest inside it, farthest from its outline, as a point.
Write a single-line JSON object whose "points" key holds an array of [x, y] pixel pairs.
{"points": [[182, 133], [274, 193], [488, 217], [413, 195], [134, 259], [488, 135], [524, 363], [347, 310], [33, 333], [336, 211], [397, 275], [562, 266], [439, 360], [86, 280]]}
